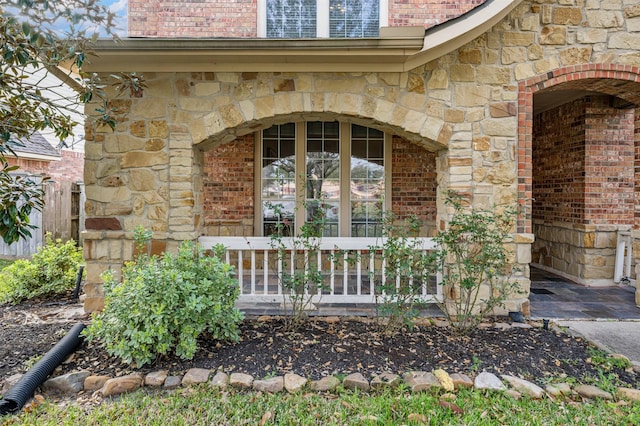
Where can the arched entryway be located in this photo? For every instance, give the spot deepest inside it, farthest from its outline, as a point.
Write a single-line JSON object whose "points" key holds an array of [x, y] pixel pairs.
{"points": [[577, 156], [265, 186]]}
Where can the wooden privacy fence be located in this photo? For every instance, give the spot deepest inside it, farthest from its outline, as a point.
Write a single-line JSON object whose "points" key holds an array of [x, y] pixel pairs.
{"points": [[62, 216], [62, 211], [351, 271]]}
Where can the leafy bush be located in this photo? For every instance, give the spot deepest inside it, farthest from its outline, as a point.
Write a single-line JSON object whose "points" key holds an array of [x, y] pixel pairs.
{"points": [[407, 270], [165, 303], [472, 258], [51, 271], [306, 281]]}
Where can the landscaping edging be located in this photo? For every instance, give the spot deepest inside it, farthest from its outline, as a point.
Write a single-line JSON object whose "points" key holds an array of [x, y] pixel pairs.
{"points": [[92, 387], [85, 387]]}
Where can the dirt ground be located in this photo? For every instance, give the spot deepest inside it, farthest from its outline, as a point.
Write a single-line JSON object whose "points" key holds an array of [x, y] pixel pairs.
{"points": [[320, 348]]}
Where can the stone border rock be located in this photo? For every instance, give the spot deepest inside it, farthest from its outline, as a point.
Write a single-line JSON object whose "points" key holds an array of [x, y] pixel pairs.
{"points": [[98, 387]]}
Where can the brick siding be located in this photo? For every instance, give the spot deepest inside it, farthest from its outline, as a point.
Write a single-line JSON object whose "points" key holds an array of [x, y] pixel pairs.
{"points": [[206, 18], [70, 168], [607, 78], [38, 167], [583, 159], [238, 18], [413, 180], [637, 169], [427, 13], [228, 181]]}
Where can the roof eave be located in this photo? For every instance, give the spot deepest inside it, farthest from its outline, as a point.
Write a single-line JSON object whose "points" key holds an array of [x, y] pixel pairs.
{"points": [[397, 50]]}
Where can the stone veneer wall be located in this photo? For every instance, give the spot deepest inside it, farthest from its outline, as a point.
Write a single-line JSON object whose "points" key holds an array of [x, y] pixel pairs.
{"points": [[472, 107], [583, 187], [238, 18]]}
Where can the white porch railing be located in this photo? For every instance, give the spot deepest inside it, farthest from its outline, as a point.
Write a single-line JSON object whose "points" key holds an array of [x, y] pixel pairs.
{"points": [[352, 272]]}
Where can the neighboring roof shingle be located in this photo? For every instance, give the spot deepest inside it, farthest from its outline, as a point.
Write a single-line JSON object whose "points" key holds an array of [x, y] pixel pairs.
{"points": [[36, 144]]}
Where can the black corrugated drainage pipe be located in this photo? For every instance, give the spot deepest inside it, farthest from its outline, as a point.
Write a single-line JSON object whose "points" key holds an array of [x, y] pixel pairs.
{"points": [[19, 394]]}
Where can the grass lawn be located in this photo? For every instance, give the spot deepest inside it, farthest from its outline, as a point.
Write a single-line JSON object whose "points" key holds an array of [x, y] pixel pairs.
{"points": [[204, 406]]}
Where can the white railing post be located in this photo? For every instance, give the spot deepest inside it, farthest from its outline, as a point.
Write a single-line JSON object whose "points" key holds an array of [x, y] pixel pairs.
{"points": [[236, 247]]}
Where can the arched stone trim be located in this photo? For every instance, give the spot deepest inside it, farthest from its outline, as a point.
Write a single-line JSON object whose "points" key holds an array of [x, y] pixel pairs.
{"points": [[618, 80], [231, 121]]}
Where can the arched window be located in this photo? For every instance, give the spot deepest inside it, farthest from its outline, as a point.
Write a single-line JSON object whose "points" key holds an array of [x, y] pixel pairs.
{"points": [[337, 171]]}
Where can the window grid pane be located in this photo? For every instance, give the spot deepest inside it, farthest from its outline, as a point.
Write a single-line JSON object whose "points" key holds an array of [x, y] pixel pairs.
{"points": [[354, 18], [323, 175], [367, 181], [291, 18], [278, 179]]}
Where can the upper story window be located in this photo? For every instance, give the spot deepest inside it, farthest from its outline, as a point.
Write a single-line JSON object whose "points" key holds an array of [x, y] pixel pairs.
{"points": [[291, 18], [321, 18], [354, 18]]}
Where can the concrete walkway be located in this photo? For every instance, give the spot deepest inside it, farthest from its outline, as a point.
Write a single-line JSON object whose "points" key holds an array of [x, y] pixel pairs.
{"points": [[619, 337]]}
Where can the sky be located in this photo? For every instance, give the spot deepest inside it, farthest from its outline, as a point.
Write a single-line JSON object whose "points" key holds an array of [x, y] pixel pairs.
{"points": [[56, 90], [119, 7]]}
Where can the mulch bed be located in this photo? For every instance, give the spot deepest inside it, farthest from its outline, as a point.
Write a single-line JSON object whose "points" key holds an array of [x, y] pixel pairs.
{"points": [[317, 349]]}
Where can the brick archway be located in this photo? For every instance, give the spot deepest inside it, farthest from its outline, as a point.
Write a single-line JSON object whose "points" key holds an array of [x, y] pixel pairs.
{"points": [[622, 81]]}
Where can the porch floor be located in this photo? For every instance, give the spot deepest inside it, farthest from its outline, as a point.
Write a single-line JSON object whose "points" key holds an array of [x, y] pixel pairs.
{"points": [[555, 297], [552, 297]]}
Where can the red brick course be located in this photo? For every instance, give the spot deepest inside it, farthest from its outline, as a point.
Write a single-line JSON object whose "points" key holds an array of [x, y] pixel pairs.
{"points": [[594, 77], [583, 159], [413, 181], [238, 18], [70, 167], [228, 182], [427, 13]]}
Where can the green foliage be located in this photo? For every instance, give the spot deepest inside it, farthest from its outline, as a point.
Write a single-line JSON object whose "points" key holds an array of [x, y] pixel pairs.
{"points": [[39, 37], [165, 303], [4, 263], [306, 281], [606, 362], [52, 270], [473, 261], [407, 270], [20, 195]]}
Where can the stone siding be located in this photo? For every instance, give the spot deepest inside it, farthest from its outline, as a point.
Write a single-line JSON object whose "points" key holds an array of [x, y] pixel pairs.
{"points": [[584, 253], [473, 108]]}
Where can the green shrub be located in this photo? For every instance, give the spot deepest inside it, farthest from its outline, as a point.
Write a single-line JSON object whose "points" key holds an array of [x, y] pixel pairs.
{"points": [[473, 261], [165, 303], [407, 270], [51, 271]]}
